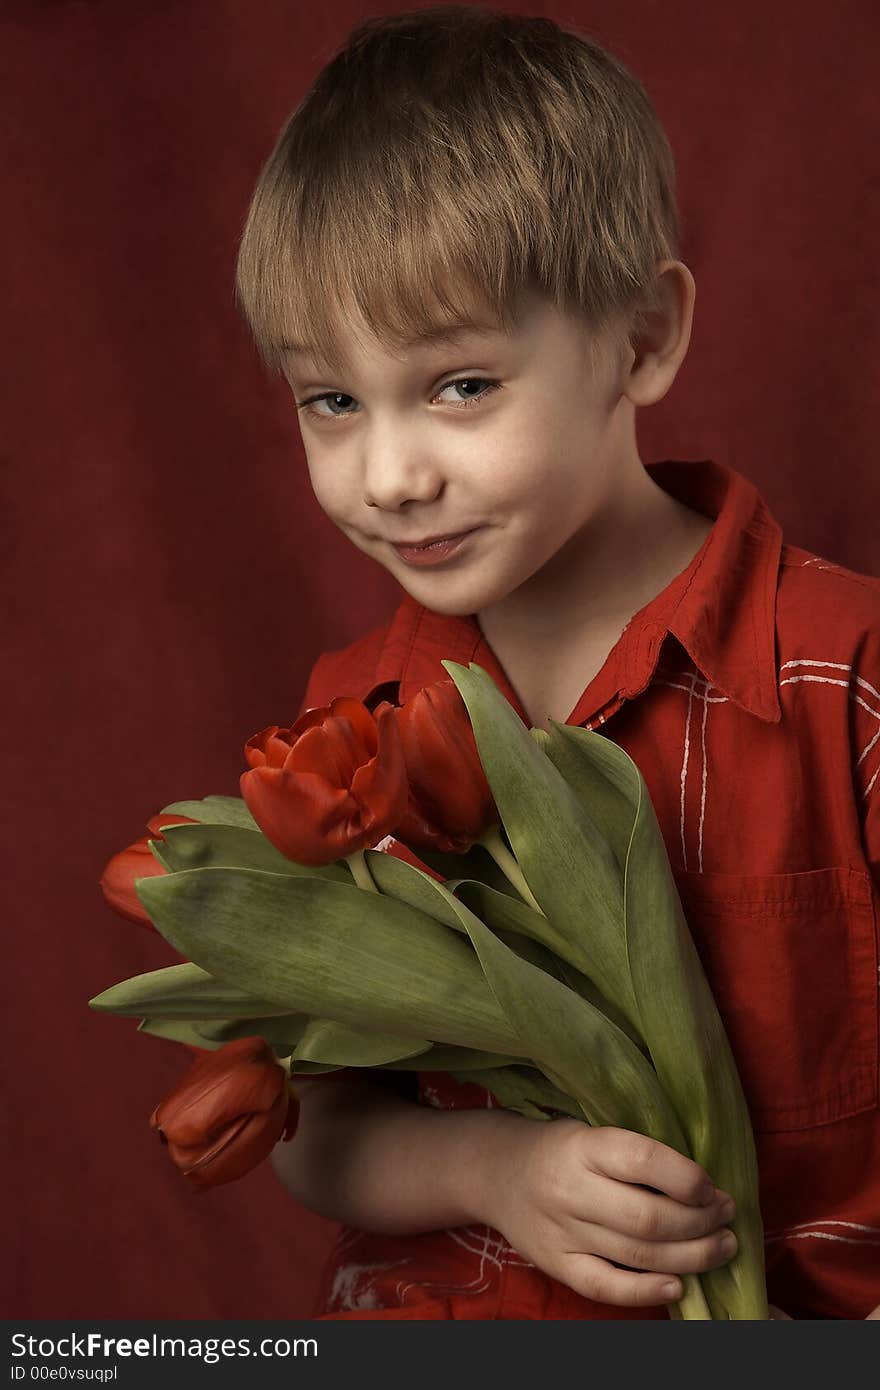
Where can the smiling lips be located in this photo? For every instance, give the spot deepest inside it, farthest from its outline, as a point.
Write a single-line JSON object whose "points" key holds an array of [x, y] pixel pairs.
{"points": [[431, 540], [433, 552]]}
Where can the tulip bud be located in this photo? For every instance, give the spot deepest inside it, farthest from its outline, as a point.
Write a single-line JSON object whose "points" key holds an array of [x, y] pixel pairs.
{"points": [[228, 1113], [137, 861], [450, 801], [330, 785]]}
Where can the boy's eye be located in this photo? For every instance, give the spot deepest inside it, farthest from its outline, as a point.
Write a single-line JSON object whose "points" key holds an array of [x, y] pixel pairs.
{"points": [[481, 381], [337, 408]]}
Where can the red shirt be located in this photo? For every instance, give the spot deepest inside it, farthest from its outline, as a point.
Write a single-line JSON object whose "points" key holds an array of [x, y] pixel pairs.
{"points": [[748, 694]]}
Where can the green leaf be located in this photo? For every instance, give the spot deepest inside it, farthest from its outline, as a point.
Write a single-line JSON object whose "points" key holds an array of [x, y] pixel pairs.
{"points": [[524, 1089], [563, 854], [475, 863], [592, 768], [507, 915], [404, 883], [344, 1046], [159, 852], [579, 1050], [502, 910], [201, 846], [311, 1069], [213, 1033], [448, 1059], [176, 1030], [332, 950], [576, 1046], [214, 810], [283, 1031], [182, 991], [679, 1017]]}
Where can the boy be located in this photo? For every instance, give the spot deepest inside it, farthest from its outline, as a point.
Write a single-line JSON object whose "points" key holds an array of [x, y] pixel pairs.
{"points": [[463, 256]]}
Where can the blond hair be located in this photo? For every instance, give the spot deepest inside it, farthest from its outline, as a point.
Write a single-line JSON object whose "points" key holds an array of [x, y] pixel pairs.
{"points": [[455, 154]]}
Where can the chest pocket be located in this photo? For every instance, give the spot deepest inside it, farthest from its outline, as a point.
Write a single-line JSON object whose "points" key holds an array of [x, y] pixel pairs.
{"points": [[792, 962]]}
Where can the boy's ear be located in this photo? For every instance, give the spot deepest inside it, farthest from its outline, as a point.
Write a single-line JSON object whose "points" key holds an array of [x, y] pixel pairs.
{"points": [[659, 347]]}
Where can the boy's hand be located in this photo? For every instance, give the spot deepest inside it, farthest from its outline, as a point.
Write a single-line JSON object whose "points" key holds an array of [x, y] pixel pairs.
{"points": [[576, 1200]]}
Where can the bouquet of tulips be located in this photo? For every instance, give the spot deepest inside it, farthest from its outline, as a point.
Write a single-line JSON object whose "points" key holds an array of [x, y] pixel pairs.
{"points": [[550, 963]]}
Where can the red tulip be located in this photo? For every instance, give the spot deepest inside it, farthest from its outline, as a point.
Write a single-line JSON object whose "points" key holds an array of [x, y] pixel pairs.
{"points": [[228, 1113], [450, 802], [331, 784], [137, 861]]}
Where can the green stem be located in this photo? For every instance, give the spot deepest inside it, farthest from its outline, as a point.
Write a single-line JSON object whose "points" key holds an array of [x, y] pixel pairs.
{"points": [[506, 862], [692, 1305], [360, 872]]}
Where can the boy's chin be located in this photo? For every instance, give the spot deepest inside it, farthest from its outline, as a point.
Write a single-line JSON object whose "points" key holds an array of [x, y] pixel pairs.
{"points": [[441, 601], [440, 594]]}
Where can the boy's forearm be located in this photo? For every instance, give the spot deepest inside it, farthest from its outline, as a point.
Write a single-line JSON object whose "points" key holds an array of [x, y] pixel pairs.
{"points": [[377, 1162]]}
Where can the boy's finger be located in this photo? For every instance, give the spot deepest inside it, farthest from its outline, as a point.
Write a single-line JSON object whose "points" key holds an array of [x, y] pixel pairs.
{"points": [[652, 1216], [593, 1277], [669, 1257], [635, 1158]]}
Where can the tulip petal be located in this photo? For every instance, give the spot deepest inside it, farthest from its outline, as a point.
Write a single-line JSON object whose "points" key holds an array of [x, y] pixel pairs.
{"points": [[340, 787], [381, 783], [254, 749], [199, 1152], [309, 719], [205, 1167], [118, 880], [332, 752], [241, 1149], [451, 804], [198, 1109], [360, 718], [156, 824], [277, 749], [346, 749], [297, 812]]}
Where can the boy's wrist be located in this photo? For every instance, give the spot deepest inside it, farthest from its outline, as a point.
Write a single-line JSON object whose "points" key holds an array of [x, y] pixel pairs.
{"points": [[489, 1162]]}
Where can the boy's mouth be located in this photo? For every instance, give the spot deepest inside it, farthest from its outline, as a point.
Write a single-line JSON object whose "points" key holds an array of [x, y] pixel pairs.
{"points": [[432, 540], [433, 552]]}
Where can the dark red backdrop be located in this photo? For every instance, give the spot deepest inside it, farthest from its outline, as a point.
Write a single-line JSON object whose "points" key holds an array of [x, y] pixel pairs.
{"points": [[171, 579]]}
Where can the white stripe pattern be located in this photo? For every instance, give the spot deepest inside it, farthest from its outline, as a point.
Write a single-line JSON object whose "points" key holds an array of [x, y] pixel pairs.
{"points": [[698, 687], [808, 1230], [353, 1284], [488, 1245], [848, 683]]}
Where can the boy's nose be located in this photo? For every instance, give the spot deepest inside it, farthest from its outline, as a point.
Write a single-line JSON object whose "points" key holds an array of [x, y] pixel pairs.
{"points": [[395, 479]]}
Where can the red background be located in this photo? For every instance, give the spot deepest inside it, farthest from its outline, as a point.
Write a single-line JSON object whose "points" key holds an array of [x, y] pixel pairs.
{"points": [[171, 579]]}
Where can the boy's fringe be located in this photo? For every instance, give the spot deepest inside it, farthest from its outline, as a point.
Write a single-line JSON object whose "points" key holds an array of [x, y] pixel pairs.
{"points": [[445, 161]]}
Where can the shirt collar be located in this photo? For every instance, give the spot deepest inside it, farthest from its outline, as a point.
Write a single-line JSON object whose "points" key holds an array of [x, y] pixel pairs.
{"points": [[721, 608]]}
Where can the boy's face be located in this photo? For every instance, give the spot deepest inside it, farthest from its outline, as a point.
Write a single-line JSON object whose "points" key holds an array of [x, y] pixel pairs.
{"points": [[531, 448]]}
